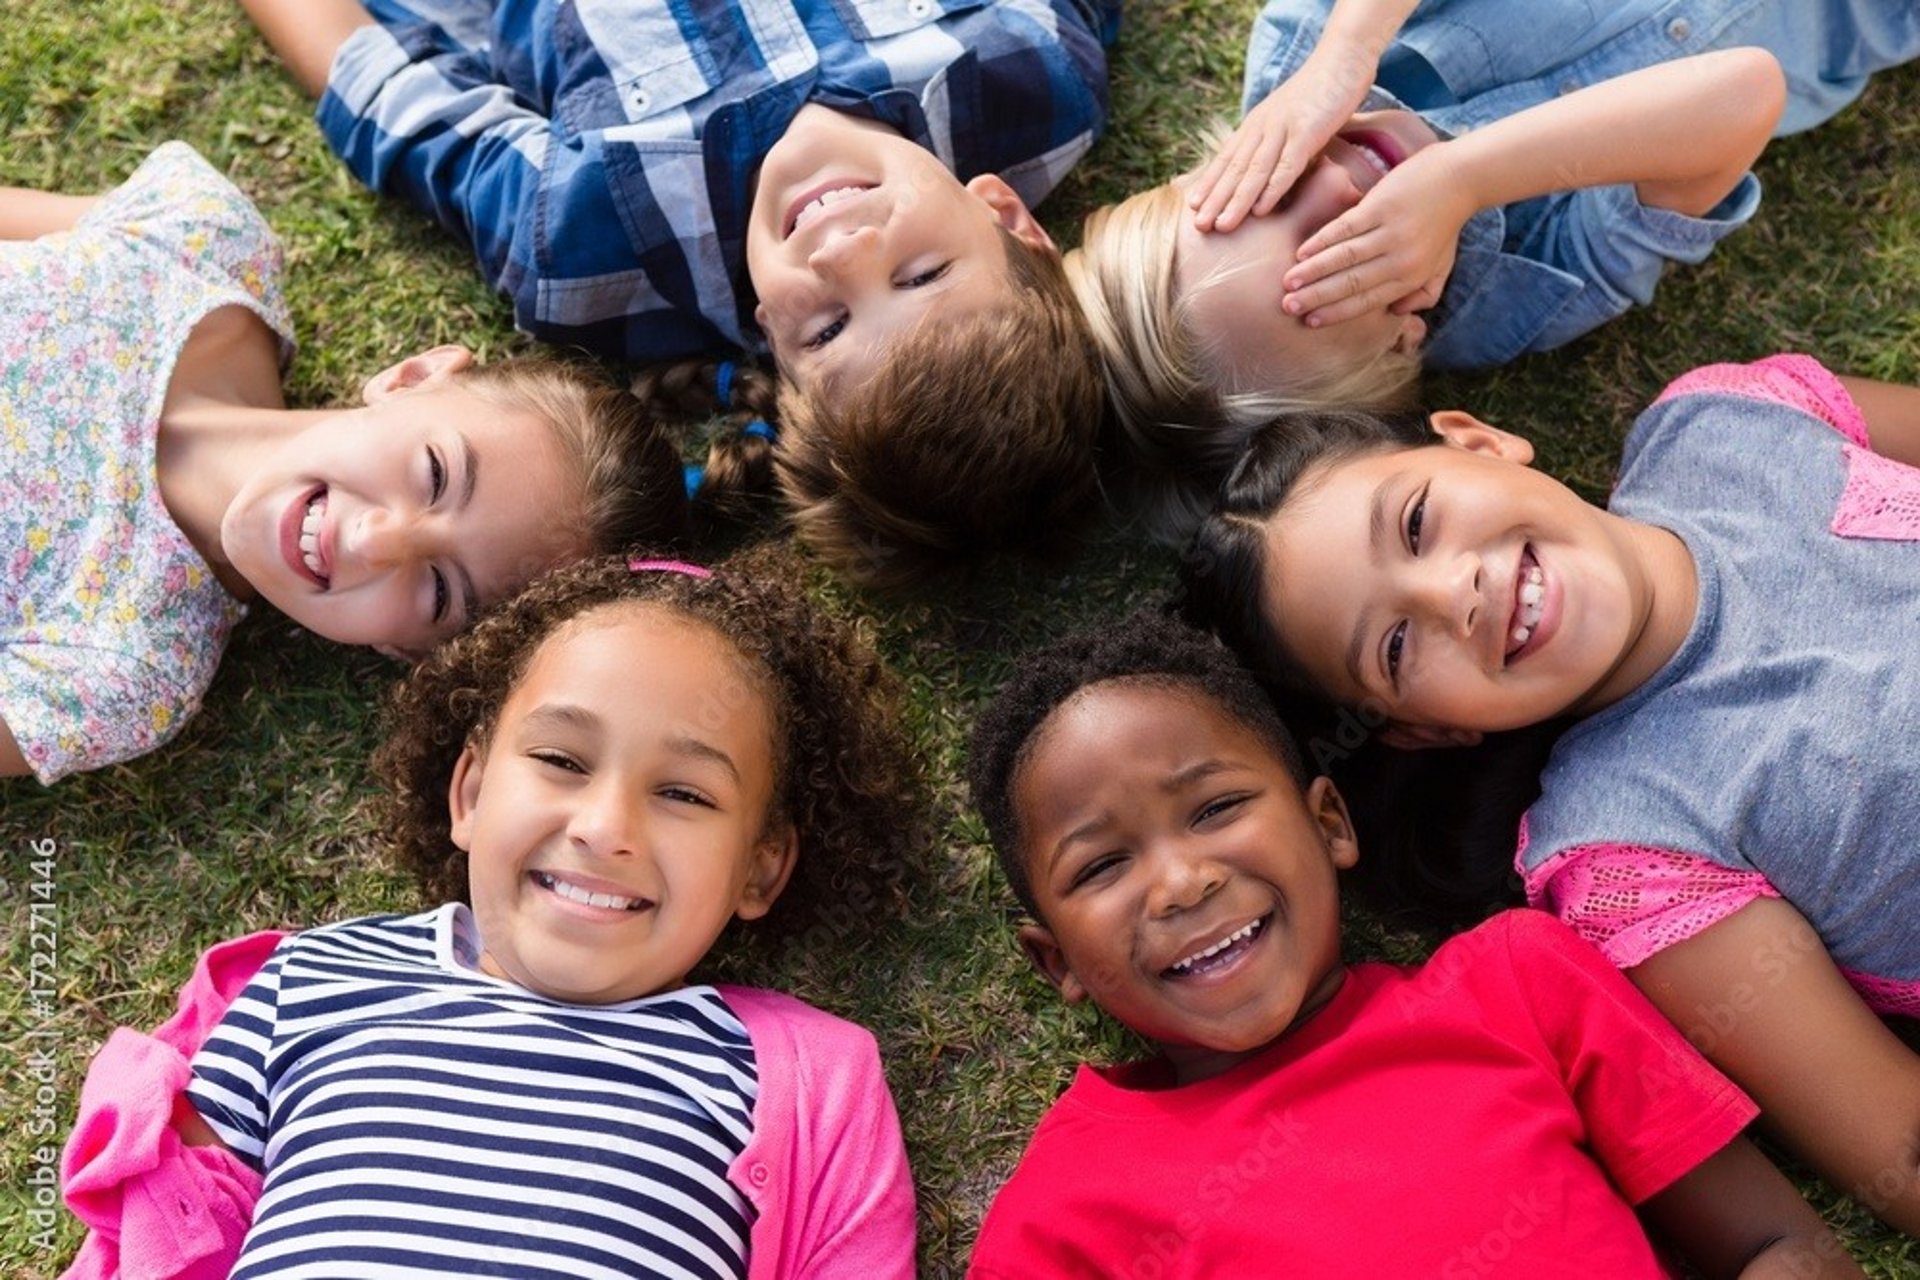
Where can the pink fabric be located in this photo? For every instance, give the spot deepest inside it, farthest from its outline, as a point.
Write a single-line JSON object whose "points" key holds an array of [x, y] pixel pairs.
{"points": [[155, 1207], [1882, 496], [1886, 995], [1798, 382], [825, 1169], [1631, 901], [1881, 500]]}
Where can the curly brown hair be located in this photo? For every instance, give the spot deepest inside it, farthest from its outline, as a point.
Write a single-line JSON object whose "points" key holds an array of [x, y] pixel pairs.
{"points": [[845, 778]]}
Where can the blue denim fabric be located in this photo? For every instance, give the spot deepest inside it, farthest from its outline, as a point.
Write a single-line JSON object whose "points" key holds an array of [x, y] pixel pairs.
{"points": [[1538, 274], [598, 155]]}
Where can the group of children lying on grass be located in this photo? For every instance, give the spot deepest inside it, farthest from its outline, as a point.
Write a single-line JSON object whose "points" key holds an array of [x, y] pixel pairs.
{"points": [[1685, 716]]}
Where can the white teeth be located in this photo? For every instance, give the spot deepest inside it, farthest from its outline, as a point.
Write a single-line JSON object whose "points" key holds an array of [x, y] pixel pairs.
{"points": [[1531, 599], [1371, 156], [310, 534], [821, 201], [1238, 935], [574, 893]]}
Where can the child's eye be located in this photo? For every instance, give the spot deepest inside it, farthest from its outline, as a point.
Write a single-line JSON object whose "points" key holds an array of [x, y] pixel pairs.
{"points": [[558, 760], [1214, 808], [687, 795], [827, 334], [1094, 870], [1396, 643], [439, 596], [438, 476], [1415, 519], [926, 278]]}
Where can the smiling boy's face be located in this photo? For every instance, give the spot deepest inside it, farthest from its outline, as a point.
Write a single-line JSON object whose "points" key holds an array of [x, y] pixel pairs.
{"points": [[858, 234], [1185, 883]]}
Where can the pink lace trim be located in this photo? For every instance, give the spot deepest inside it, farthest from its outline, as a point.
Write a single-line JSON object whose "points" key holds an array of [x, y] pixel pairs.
{"points": [[1632, 901], [1798, 382], [1881, 500], [1887, 995]]}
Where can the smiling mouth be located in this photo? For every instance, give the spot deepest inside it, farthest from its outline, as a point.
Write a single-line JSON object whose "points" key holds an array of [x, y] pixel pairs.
{"points": [[811, 204], [1220, 954], [310, 537], [1529, 601], [585, 897]]}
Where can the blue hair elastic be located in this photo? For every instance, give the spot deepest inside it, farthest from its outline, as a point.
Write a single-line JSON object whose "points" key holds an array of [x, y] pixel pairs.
{"points": [[762, 428], [695, 474], [723, 384]]}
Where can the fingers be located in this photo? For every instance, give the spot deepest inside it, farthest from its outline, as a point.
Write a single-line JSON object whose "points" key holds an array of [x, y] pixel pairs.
{"points": [[1353, 278], [1235, 179]]}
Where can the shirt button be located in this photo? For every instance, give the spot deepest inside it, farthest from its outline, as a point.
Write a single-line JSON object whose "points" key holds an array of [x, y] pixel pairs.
{"points": [[1679, 29], [640, 99], [919, 8], [758, 1175]]}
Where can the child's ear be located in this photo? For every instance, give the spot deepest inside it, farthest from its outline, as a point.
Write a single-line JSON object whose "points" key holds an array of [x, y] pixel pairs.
{"points": [[433, 365], [1037, 941], [767, 875], [1464, 431], [1012, 212], [1409, 737], [463, 796], [1329, 810]]}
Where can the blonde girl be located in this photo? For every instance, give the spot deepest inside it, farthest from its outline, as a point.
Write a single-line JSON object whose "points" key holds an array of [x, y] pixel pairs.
{"points": [[153, 482], [1554, 159]]}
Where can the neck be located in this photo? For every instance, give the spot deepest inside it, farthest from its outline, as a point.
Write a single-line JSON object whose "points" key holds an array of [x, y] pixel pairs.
{"points": [[1193, 1063], [1668, 593]]}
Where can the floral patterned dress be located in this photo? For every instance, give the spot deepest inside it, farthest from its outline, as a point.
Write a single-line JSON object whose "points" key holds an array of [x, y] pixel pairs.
{"points": [[111, 624]]}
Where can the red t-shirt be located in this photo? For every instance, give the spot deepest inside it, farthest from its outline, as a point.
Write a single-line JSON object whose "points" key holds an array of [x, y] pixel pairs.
{"points": [[1498, 1111]]}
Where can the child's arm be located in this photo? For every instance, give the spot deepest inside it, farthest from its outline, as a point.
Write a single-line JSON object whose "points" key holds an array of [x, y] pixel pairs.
{"points": [[1737, 1215], [13, 761], [26, 214], [1758, 994], [1893, 417], [1279, 138], [1683, 132], [305, 34]]}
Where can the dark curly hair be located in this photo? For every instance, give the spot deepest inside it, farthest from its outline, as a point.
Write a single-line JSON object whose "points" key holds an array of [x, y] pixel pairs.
{"points": [[1149, 648], [845, 777]]}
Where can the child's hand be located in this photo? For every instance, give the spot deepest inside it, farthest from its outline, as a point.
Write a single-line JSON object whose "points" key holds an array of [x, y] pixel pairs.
{"points": [[1260, 161], [1394, 249]]}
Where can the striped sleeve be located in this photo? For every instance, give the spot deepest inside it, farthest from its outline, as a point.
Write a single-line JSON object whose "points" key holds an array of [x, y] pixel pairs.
{"points": [[229, 1085]]}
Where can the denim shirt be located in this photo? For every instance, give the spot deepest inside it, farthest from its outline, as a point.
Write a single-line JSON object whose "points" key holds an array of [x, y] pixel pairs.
{"points": [[1534, 275], [598, 155]]}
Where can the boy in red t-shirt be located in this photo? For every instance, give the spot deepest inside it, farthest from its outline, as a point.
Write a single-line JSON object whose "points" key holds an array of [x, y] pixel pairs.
{"points": [[1505, 1108]]}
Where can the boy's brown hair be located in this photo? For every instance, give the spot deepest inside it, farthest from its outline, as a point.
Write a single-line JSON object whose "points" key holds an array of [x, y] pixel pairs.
{"points": [[974, 436]]}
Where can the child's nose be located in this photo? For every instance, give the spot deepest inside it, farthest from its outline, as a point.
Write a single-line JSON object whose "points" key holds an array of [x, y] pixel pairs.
{"points": [[1184, 882], [1451, 595], [843, 253], [387, 540], [608, 819]]}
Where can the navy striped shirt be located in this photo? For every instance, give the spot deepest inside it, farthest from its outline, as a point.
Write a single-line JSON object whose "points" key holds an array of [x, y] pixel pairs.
{"points": [[598, 154], [415, 1117]]}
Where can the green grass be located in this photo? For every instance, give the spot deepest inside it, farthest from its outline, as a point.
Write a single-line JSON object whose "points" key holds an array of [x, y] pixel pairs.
{"points": [[254, 816]]}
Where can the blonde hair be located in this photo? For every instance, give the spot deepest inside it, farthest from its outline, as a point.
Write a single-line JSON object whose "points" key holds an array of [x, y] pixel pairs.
{"points": [[628, 467], [1178, 431], [976, 435]]}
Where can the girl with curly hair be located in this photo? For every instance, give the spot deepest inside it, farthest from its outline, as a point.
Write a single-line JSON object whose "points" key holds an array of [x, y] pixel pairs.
{"points": [[602, 774]]}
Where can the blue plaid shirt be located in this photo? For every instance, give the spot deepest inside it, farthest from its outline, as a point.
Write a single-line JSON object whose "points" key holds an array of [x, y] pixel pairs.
{"points": [[599, 154]]}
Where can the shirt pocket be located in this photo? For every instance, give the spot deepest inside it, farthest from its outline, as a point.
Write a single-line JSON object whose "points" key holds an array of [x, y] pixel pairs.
{"points": [[878, 19], [655, 61]]}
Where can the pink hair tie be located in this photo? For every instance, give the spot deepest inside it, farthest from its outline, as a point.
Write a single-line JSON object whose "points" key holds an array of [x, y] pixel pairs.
{"points": [[668, 566]]}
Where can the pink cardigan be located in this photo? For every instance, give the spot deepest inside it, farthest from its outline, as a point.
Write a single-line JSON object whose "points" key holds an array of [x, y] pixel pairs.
{"points": [[825, 1169]]}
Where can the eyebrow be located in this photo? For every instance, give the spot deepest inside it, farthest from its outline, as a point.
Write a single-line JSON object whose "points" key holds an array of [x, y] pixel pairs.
{"points": [[830, 375], [1378, 534], [471, 458], [685, 745], [1088, 828]]}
